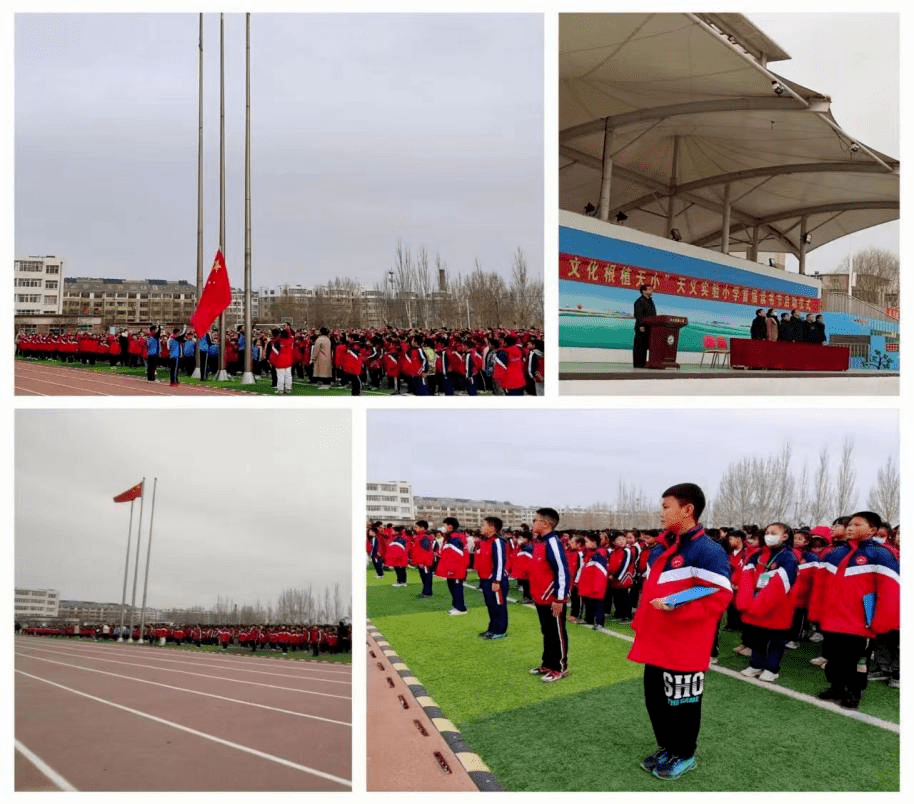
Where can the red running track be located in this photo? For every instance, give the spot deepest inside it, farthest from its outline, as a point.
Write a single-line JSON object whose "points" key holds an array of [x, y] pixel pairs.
{"points": [[34, 379], [104, 716]]}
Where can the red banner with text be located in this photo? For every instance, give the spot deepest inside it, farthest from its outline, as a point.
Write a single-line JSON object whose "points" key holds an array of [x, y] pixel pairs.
{"points": [[619, 275]]}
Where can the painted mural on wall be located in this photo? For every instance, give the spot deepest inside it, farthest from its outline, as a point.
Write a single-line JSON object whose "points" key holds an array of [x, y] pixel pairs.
{"points": [[599, 277]]}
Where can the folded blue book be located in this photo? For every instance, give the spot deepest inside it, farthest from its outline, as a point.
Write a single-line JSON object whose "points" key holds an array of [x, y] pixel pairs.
{"points": [[688, 595], [869, 608]]}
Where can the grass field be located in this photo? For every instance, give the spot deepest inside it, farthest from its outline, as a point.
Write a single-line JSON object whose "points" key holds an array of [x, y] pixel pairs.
{"points": [[590, 731]]}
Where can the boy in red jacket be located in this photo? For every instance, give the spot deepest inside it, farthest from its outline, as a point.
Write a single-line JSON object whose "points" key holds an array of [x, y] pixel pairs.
{"points": [[673, 642]]}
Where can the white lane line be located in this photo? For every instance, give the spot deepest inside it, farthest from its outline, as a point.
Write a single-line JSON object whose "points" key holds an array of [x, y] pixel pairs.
{"points": [[853, 714], [228, 743], [185, 689], [232, 663], [56, 779], [184, 672]]}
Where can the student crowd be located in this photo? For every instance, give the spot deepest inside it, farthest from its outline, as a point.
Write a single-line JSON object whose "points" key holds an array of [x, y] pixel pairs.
{"points": [[836, 585], [419, 362], [281, 638]]}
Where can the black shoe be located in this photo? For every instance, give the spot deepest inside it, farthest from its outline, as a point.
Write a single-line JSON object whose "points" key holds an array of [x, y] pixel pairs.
{"points": [[850, 702], [831, 694]]}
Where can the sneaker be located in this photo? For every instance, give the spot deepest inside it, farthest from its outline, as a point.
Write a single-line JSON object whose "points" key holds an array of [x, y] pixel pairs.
{"points": [[657, 758], [830, 694], [768, 676], [819, 661], [751, 672], [816, 637], [485, 634], [423, 595], [456, 613], [553, 675], [674, 767], [792, 645], [894, 683], [496, 636], [398, 585], [539, 671], [877, 675]]}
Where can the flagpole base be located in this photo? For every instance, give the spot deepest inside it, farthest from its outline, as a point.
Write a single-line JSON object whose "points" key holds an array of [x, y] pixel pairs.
{"points": [[247, 378], [222, 376]]}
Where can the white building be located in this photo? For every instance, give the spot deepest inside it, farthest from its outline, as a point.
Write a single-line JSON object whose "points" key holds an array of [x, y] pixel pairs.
{"points": [[471, 513], [390, 501], [38, 283], [36, 604]]}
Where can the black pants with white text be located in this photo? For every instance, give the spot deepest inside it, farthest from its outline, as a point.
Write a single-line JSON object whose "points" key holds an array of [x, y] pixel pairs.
{"points": [[673, 700]]}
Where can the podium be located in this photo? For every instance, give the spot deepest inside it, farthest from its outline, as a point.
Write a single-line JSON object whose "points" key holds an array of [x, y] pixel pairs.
{"points": [[664, 340]]}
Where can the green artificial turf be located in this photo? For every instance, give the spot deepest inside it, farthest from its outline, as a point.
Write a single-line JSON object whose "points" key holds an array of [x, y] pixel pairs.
{"points": [[590, 730]]}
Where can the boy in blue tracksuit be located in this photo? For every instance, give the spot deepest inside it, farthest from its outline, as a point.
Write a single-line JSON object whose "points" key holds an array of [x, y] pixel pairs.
{"points": [[493, 578]]}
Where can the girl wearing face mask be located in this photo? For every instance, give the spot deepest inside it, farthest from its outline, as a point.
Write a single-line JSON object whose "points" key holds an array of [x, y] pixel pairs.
{"points": [[765, 601]]}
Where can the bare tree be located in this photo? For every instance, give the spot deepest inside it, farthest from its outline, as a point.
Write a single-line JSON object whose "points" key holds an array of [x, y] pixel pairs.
{"points": [[885, 496], [876, 275], [845, 492]]}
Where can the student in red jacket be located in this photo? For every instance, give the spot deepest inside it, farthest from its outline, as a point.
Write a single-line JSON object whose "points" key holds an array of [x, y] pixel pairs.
{"points": [[453, 563], [855, 598], [674, 642], [574, 552], [397, 556], [767, 600], [423, 556], [593, 581], [621, 568], [520, 565]]}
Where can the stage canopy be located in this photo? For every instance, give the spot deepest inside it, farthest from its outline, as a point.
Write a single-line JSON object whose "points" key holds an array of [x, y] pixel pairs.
{"points": [[703, 142]]}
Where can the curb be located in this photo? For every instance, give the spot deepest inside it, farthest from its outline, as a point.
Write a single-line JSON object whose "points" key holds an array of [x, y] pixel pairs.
{"points": [[477, 770]]}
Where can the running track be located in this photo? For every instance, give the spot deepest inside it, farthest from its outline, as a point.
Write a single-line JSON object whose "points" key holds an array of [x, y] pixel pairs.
{"points": [[117, 717], [36, 380]]}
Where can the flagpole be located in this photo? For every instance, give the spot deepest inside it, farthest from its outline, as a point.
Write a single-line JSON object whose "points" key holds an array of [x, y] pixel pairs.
{"points": [[152, 513], [223, 374], [196, 374], [120, 632], [247, 377], [139, 538]]}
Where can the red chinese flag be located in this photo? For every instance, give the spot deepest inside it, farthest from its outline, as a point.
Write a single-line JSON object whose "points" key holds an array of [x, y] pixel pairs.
{"points": [[216, 296], [131, 494]]}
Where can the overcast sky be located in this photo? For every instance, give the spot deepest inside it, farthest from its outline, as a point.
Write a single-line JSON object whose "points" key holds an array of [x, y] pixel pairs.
{"points": [[854, 59], [579, 457], [366, 129], [248, 503]]}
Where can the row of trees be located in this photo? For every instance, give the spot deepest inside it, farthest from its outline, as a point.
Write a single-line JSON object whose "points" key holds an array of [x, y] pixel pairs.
{"points": [[419, 291], [301, 606], [766, 489], [763, 489]]}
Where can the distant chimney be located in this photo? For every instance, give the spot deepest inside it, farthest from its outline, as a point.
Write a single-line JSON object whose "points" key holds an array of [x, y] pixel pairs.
{"points": [[442, 280]]}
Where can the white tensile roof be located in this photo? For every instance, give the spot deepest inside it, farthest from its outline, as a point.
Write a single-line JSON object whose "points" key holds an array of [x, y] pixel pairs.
{"points": [[694, 90]]}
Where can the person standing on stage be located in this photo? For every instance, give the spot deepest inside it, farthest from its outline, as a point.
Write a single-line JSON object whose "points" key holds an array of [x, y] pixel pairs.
{"points": [[550, 587], [644, 308], [493, 578], [673, 639]]}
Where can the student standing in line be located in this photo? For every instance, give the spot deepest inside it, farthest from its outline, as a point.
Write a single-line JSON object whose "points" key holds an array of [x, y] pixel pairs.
{"points": [[673, 641]]}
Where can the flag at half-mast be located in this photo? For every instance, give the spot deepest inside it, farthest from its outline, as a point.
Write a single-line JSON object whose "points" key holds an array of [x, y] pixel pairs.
{"points": [[131, 494], [216, 296]]}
